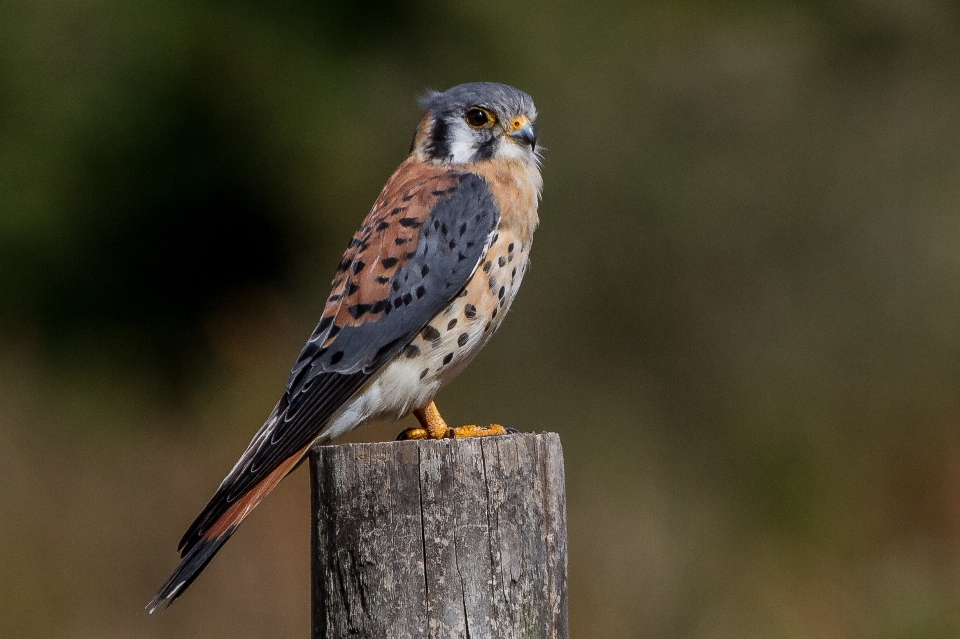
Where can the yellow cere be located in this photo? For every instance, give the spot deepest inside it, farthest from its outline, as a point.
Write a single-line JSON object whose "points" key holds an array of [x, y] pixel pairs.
{"points": [[519, 123]]}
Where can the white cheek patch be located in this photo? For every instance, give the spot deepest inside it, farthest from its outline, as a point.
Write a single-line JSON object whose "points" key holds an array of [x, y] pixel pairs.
{"points": [[462, 143]]}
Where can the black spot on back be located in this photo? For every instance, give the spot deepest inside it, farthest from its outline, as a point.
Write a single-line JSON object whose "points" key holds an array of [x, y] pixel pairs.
{"points": [[359, 310], [324, 324]]}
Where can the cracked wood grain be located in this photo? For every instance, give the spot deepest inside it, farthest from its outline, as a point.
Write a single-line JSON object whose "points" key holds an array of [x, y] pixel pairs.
{"points": [[449, 538]]}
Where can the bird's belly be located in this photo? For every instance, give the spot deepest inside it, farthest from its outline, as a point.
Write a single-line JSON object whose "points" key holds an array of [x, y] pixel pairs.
{"points": [[453, 338]]}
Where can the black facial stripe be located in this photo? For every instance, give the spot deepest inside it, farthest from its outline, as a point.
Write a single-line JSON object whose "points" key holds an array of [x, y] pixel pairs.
{"points": [[486, 148], [439, 147]]}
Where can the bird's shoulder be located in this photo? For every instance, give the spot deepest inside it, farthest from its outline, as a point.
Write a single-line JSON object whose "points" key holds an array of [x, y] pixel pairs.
{"points": [[421, 241]]}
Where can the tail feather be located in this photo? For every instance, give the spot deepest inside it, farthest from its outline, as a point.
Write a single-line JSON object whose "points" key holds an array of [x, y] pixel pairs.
{"points": [[188, 570], [194, 560]]}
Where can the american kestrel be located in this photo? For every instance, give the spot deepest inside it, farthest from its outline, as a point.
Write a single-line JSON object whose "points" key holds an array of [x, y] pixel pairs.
{"points": [[422, 286]]}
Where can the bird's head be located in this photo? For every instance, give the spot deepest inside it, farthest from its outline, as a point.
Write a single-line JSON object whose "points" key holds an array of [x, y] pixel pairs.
{"points": [[477, 122]]}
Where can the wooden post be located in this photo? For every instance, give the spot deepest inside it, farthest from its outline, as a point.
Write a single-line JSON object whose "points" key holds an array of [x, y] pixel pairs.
{"points": [[460, 538]]}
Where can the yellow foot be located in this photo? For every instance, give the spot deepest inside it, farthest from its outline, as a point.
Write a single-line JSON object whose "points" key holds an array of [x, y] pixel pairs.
{"points": [[469, 430], [432, 426]]}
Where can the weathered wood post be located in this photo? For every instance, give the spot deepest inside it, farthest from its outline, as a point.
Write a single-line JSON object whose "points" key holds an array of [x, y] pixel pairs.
{"points": [[445, 538]]}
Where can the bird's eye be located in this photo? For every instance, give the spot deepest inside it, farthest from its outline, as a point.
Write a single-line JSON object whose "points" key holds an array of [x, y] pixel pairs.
{"points": [[480, 118]]}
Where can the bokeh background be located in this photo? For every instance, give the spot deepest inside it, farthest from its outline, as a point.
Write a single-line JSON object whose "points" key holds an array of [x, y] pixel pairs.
{"points": [[741, 315]]}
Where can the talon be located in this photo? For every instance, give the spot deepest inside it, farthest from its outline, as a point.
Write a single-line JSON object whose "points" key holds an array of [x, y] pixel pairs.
{"points": [[511, 431], [414, 432]]}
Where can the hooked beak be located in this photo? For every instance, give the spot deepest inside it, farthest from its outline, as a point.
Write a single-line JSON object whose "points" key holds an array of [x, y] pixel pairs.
{"points": [[523, 133]]}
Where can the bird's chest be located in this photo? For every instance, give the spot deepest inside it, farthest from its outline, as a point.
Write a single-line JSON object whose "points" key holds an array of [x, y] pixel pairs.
{"points": [[452, 339], [454, 336]]}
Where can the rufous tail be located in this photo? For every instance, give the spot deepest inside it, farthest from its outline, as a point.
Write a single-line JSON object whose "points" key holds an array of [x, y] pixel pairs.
{"points": [[200, 554]]}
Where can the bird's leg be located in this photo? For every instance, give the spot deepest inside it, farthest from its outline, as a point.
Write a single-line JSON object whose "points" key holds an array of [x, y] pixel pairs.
{"points": [[431, 423], [432, 426]]}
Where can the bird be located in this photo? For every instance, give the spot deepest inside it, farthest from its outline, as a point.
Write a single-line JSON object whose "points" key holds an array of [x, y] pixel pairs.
{"points": [[423, 285]]}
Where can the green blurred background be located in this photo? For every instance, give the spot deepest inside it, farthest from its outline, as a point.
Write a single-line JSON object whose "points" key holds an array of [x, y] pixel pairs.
{"points": [[741, 316]]}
